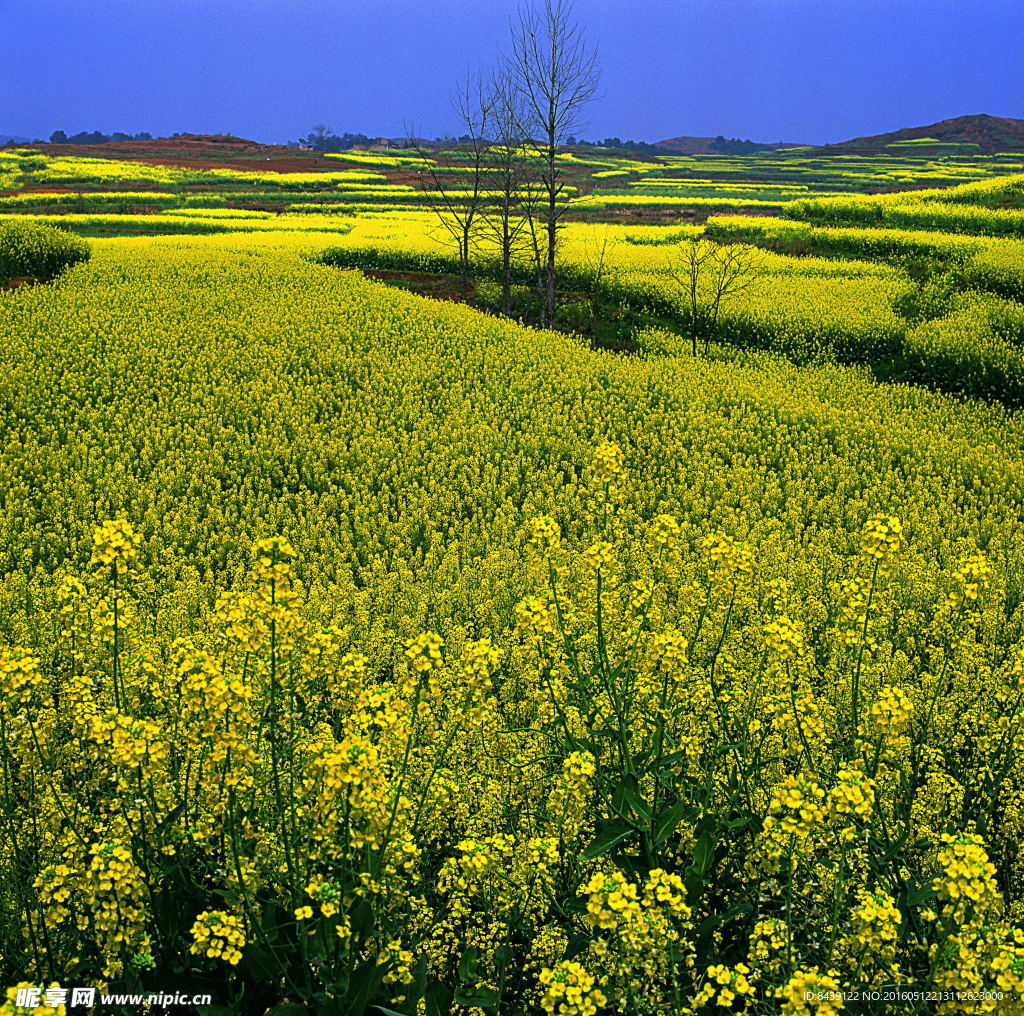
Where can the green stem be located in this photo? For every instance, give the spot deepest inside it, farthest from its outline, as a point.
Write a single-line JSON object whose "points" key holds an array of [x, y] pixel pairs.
{"points": [[855, 689]]}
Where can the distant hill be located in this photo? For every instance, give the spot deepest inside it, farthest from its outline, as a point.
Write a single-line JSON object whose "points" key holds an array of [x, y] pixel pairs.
{"points": [[13, 139], [686, 145], [978, 133]]}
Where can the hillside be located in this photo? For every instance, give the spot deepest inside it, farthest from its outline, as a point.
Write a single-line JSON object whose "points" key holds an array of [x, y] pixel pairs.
{"points": [[979, 133]]}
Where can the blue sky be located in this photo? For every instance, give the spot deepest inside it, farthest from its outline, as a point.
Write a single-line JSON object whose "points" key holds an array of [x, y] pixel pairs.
{"points": [[771, 70]]}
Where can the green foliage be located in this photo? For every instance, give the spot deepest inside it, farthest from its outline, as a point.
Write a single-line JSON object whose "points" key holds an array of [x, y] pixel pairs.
{"points": [[42, 252]]}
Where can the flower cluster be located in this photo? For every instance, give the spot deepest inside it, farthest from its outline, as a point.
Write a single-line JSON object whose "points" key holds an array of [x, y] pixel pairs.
{"points": [[730, 563], [664, 534], [544, 533], [784, 639], [607, 465], [115, 890], [811, 993], [115, 545], [568, 990], [424, 652], [970, 580], [218, 935], [881, 540], [725, 985], [20, 676], [967, 882], [890, 713]]}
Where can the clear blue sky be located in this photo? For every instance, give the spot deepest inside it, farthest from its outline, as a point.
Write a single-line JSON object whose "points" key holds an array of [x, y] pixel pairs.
{"points": [[769, 70]]}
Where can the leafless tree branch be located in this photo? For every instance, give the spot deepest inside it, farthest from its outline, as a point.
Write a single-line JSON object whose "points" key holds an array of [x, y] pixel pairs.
{"points": [[556, 74], [710, 273]]}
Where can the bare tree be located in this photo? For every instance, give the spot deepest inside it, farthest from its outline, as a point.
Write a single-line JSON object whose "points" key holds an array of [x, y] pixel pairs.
{"points": [[317, 139], [709, 273], [456, 191], [556, 74], [597, 266], [532, 202], [317, 135], [511, 181]]}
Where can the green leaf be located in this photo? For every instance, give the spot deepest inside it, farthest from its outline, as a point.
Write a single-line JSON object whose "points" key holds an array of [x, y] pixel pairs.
{"points": [[480, 998], [388, 1012], [274, 920], [327, 1005], [169, 818], [438, 999], [628, 793], [703, 854], [362, 918], [675, 756], [641, 756], [502, 956], [608, 839], [704, 851], [364, 982], [922, 894], [467, 964], [259, 963], [668, 821]]}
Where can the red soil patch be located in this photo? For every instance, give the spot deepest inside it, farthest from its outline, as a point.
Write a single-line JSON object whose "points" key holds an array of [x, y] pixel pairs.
{"points": [[201, 152], [437, 287]]}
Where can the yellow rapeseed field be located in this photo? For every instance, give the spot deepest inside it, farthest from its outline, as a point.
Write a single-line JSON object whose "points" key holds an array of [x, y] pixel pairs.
{"points": [[367, 654]]}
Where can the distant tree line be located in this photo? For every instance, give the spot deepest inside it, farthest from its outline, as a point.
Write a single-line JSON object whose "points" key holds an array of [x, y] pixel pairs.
{"points": [[628, 146], [734, 146], [96, 137], [323, 139], [720, 145], [330, 142]]}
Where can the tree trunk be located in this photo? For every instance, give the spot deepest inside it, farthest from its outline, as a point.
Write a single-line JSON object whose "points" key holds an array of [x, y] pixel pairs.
{"points": [[464, 265], [506, 268], [552, 223], [551, 265]]}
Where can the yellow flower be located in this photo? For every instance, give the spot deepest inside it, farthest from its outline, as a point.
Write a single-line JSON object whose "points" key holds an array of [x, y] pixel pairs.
{"points": [[20, 676], [544, 533], [784, 639], [424, 652], [967, 881], [971, 579], [890, 714], [730, 563], [607, 466], [569, 990], [218, 935], [881, 540], [663, 534], [115, 544], [810, 993], [599, 557]]}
